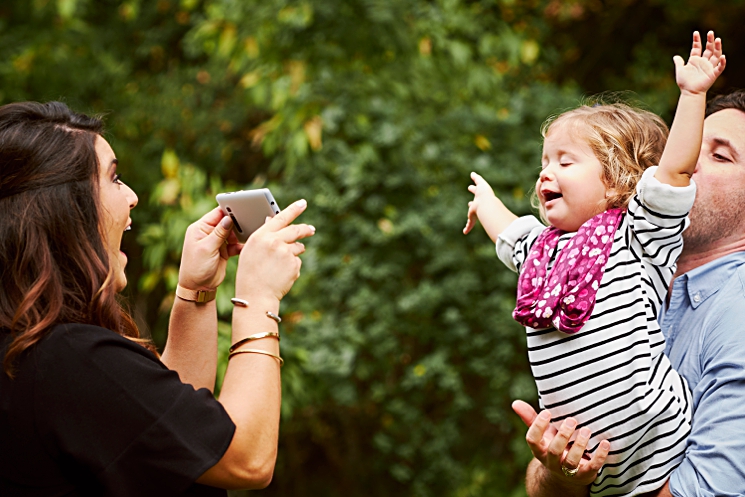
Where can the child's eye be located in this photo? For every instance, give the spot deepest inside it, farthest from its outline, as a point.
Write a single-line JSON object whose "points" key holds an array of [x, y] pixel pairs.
{"points": [[565, 164], [118, 179]]}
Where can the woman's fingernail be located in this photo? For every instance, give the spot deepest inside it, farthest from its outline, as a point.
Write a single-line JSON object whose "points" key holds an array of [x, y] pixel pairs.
{"points": [[312, 228], [545, 415], [302, 202], [570, 423], [584, 433], [225, 222]]}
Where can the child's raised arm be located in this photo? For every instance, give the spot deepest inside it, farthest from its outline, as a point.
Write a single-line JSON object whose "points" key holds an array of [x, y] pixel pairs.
{"points": [[681, 153], [492, 213]]}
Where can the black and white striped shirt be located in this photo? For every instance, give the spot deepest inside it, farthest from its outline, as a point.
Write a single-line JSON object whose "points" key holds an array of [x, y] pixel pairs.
{"points": [[612, 376]]}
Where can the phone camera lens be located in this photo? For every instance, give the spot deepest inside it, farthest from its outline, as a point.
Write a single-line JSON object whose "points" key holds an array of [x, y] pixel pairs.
{"points": [[272, 203], [228, 209]]}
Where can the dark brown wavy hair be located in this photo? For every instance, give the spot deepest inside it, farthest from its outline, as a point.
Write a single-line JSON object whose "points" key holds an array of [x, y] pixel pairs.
{"points": [[54, 267], [732, 100]]}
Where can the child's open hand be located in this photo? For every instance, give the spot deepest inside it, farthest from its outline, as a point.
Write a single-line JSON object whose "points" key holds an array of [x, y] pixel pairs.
{"points": [[702, 69], [481, 190]]}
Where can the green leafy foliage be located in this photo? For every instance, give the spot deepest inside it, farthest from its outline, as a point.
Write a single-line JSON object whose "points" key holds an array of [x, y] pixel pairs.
{"points": [[401, 355]]}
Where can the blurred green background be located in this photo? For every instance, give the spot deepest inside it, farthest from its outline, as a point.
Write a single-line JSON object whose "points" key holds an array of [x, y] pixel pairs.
{"points": [[401, 355]]}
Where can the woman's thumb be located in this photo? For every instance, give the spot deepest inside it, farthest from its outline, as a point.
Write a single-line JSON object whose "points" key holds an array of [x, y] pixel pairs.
{"points": [[222, 230]]}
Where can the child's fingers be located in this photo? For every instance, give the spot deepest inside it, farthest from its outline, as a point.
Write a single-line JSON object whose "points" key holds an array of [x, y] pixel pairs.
{"points": [[696, 46], [678, 61], [709, 49], [476, 178], [472, 189], [717, 51], [471, 222], [720, 67]]}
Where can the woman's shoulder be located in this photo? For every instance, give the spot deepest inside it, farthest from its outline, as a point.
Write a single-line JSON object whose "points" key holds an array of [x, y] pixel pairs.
{"points": [[89, 350], [86, 338]]}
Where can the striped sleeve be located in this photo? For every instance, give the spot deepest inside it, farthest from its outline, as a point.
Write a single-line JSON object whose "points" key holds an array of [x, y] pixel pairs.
{"points": [[658, 215], [514, 242]]}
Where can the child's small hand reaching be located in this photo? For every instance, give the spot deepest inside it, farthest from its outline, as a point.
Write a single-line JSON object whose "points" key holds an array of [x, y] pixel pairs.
{"points": [[482, 193], [678, 161], [702, 69], [485, 206]]}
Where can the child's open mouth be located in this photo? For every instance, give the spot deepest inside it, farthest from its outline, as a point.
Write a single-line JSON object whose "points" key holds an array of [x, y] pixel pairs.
{"points": [[549, 196]]}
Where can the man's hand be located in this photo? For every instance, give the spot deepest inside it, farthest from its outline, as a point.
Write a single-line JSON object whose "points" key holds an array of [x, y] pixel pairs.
{"points": [[702, 69], [552, 449]]}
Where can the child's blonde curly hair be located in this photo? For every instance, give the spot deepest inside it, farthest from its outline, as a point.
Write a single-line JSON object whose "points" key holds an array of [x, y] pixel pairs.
{"points": [[626, 140]]}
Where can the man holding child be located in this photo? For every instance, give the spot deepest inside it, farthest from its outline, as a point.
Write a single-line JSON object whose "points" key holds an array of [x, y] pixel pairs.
{"points": [[702, 322]]}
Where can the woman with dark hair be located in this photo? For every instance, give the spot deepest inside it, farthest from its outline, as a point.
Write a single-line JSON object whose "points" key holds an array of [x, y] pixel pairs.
{"points": [[86, 405]]}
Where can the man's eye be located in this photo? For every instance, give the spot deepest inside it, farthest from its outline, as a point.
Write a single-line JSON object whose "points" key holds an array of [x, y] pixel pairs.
{"points": [[118, 179], [721, 158]]}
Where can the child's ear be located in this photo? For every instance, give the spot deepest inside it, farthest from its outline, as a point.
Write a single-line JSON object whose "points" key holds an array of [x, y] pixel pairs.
{"points": [[610, 193]]}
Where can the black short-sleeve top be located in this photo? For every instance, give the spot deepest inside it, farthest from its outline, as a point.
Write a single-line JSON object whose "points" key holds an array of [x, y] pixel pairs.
{"points": [[92, 413]]}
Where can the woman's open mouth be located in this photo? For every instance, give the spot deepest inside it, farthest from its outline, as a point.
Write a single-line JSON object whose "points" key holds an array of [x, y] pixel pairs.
{"points": [[128, 228]]}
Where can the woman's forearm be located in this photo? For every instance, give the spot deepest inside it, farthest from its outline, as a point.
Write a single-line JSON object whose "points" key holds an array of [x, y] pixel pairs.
{"points": [[191, 348], [251, 394]]}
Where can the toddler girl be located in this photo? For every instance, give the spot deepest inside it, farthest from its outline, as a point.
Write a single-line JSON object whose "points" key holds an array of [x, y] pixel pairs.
{"points": [[591, 284]]}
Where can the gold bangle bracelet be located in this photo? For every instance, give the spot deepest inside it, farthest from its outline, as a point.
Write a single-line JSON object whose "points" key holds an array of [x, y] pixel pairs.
{"points": [[257, 351], [257, 336]]}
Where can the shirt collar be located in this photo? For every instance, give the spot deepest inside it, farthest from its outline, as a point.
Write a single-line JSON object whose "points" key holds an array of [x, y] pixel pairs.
{"points": [[704, 281]]}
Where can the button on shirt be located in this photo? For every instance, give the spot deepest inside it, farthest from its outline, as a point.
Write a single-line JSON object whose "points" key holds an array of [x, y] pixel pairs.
{"points": [[704, 326]]}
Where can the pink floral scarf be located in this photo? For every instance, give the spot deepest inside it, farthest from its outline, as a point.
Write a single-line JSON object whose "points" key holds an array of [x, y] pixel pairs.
{"points": [[565, 297]]}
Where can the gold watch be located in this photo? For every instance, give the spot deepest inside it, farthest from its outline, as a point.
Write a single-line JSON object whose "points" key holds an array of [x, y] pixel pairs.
{"points": [[198, 296]]}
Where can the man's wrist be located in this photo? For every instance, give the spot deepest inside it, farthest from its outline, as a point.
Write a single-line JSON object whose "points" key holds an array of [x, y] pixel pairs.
{"points": [[541, 482]]}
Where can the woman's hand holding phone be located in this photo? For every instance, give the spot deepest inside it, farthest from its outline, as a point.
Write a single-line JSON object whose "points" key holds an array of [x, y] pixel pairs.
{"points": [[208, 244], [269, 264]]}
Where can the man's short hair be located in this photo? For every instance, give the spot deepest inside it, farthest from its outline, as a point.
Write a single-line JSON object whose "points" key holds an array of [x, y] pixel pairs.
{"points": [[733, 100]]}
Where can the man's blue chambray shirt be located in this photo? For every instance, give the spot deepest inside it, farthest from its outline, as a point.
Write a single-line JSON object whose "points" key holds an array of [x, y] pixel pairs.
{"points": [[705, 330]]}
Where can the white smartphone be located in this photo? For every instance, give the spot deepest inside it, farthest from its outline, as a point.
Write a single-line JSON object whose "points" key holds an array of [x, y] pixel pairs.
{"points": [[248, 209]]}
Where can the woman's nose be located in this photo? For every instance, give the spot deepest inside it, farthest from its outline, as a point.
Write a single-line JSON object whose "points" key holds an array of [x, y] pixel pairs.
{"points": [[132, 197]]}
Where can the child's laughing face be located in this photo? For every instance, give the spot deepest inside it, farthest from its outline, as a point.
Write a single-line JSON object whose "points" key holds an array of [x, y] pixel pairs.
{"points": [[570, 187]]}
